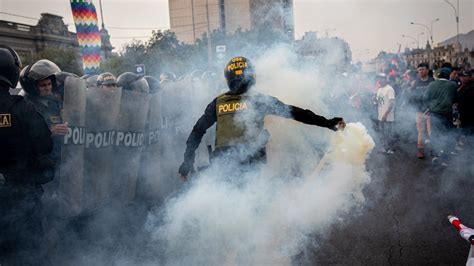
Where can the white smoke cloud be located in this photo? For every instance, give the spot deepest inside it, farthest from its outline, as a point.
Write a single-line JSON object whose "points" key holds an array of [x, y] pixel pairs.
{"points": [[267, 219]]}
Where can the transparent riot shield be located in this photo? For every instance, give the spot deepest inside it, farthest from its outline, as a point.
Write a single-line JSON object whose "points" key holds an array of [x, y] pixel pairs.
{"points": [[103, 106], [129, 141], [71, 168], [150, 177]]}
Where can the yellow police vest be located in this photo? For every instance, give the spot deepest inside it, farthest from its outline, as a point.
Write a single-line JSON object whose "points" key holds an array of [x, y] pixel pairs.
{"points": [[232, 121]]}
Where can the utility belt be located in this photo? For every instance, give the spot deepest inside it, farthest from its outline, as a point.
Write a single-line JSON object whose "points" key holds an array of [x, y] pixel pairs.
{"points": [[20, 178], [239, 154], [17, 191], [41, 172], [234, 154]]}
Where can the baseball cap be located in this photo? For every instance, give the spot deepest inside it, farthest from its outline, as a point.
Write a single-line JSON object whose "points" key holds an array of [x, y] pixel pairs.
{"points": [[465, 73]]}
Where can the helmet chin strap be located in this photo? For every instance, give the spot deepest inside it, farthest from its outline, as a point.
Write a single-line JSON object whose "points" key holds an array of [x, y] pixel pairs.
{"points": [[240, 86], [237, 87]]}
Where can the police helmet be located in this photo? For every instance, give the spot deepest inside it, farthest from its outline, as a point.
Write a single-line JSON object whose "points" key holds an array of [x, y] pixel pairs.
{"points": [[10, 65], [133, 82], [86, 76], [240, 74], [91, 80], [153, 84], [105, 78], [61, 79], [208, 75], [167, 76], [38, 71], [196, 75]]}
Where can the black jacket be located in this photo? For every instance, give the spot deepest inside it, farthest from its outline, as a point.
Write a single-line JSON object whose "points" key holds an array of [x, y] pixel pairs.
{"points": [[25, 140], [465, 98], [267, 105], [50, 109]]}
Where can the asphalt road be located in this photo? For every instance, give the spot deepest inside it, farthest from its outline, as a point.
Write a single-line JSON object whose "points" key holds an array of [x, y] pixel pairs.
{"points": [[404, 221]]}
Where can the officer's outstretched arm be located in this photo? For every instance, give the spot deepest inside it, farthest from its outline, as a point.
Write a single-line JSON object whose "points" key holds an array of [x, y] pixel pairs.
{"points": [[308, 117], [205, 121], [276, 107]]}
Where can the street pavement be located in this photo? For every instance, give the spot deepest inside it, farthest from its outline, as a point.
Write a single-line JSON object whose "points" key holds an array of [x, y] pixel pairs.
{"points": [[404, 220]]}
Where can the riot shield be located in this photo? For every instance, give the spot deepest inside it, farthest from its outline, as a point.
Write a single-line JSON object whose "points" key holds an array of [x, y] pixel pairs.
{"points": [[91, 81], [101, 116], [128, 144], [71, 168], [149, 180], [173, 135]]}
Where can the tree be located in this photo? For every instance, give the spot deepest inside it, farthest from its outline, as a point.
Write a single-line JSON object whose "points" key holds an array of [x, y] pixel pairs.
{"points": [[164, 53], [68, 60]]}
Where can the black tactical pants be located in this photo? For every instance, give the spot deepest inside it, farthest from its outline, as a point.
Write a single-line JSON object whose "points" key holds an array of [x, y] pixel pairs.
{"points": [[21, 230], [234, 164]]}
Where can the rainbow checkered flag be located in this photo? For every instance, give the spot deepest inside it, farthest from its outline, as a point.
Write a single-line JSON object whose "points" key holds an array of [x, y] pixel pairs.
{"points": [[88, 36]]}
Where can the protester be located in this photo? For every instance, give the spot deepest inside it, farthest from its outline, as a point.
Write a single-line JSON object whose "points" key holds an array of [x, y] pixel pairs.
{"points": [[465, 100], [454, 76], [466, 233], [438, 101], [415, 99], [385, 98]]}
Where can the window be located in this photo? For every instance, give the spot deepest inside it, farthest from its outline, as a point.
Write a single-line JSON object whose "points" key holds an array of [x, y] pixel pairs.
{"points": [[23, 27]]}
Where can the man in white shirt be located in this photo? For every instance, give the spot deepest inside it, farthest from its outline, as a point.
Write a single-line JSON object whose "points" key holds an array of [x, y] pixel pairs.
{"points": [[385, 99]]}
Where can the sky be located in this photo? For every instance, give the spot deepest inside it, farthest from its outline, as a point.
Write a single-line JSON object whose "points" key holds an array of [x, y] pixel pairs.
{"points": [[369, 26]]}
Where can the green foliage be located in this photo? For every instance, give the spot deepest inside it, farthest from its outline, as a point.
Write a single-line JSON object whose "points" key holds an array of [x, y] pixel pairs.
{"points": [[114, 65], [164, 53], [68, 60]]}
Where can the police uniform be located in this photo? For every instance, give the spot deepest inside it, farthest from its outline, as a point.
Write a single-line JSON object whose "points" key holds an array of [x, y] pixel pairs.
{"points": [[24, 141], [239, 114], [50, 108]]}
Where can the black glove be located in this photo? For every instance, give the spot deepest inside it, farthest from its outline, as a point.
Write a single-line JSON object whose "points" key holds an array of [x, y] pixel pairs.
{"points": [[333, 122], [185, 168]]}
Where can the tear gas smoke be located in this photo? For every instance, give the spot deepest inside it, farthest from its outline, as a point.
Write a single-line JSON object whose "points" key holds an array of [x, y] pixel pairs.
{"points": [[313, 178], [268, 219], [268, 215]]}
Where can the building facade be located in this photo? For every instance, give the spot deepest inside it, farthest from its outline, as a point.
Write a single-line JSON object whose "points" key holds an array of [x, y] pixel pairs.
{"points": [[330, 51], [190, 19], [49, 33], [435, 57]]}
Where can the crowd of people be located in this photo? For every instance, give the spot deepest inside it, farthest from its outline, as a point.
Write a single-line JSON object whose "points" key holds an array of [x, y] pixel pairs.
{"points": [[437, 103], [33, 128]]}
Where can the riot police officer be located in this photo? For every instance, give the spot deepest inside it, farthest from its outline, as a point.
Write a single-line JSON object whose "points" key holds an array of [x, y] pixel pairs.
{"points": [[106, 81], [24, 141], [153, 84], [239, 114], [133, 82], [40, 84]]}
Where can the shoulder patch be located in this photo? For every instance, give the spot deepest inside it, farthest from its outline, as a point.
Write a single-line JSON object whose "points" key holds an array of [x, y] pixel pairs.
{"points": [[5, 120], [55, 119]]}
